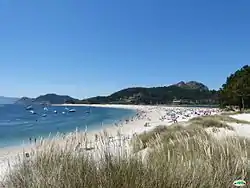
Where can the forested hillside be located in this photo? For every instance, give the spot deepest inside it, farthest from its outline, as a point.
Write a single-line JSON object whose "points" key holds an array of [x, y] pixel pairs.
{"points": [[185, 93]]}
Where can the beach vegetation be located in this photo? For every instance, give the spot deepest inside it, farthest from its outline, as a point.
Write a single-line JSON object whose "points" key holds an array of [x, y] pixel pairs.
{"points": [[220, 118], [182, 157], [194, 126], [227, 118], [207, 122]]}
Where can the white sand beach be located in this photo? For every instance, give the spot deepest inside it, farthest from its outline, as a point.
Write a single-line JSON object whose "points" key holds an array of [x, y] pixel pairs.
{"points": [[146, 118], [241, 129]]}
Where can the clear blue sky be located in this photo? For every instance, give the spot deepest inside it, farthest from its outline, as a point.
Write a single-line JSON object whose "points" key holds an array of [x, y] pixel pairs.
{"points": [[85, 48]]}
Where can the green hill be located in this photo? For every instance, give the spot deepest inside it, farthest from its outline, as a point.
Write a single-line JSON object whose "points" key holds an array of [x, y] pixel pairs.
{"points": [[186, 93], [48, 98], [56, 99]]}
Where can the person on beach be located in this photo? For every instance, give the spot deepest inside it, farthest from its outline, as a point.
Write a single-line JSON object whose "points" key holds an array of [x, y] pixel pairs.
{"points": [[27, 155], [96, 137], [78, 146], [175, 120]]}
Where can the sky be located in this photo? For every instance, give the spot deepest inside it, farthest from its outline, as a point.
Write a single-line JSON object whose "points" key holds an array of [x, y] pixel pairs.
{"points": [[85, 48]]}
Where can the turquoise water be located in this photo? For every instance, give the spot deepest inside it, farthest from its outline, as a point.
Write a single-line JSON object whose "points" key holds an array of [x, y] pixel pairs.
{"points": [[17, 124]]}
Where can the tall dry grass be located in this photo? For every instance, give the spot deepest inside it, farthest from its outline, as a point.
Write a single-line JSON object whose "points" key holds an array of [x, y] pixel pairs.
{"points": [[223, 118], [207, 121], [179, 157]]}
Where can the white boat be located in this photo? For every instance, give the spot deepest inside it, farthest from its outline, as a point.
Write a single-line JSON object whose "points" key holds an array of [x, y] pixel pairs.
{"points": [[29, 107], [32, 111], [72, 110], [45, 109], [55, 111]]}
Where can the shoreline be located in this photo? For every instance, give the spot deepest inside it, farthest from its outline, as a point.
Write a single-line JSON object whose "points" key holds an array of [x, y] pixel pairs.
{"points": [[149, 115], [126, 105], [9, 153]]}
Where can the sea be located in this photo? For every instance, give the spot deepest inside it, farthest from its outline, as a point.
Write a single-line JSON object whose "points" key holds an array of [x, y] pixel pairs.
{"points": [[18, 125]]}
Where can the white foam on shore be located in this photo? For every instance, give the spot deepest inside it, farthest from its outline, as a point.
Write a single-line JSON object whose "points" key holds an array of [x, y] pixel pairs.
{"points": [[153, 115]]}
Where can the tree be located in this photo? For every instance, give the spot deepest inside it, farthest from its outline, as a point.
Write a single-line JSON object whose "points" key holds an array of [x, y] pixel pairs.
{"points": [[236, 90]]}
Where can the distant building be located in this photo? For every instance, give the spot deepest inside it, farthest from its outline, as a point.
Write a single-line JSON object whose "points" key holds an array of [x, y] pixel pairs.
{"points": [[181, 101], [176, 102]]}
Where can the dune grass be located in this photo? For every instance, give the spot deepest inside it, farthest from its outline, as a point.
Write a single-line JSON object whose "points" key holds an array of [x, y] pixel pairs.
{"points": [[183, 157], [142, 140], [231, 113], [207, 121], [226, 117], [195, 126], [166, 133], [223, 118]]}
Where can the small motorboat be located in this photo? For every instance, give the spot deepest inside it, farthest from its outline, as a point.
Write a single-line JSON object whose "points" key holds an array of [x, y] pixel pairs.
{"points": [[63, 112], [72, 110], [44, 115], [45, 109], [55, 111], [32, 112], [30, 107]]}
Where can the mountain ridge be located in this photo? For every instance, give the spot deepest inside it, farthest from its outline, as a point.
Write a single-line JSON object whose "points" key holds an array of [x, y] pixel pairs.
{"points": [[192, 85], [50, 98], [191, 92]]}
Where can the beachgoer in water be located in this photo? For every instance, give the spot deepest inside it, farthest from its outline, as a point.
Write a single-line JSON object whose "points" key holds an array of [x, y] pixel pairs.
{"points": [[35, 140], [30, 139]]}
